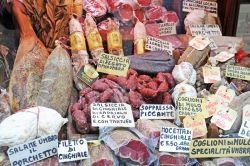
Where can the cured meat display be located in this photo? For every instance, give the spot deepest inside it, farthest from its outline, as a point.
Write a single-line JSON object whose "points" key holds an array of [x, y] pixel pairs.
{"points": [[110, 83], [29, 63], [134, 89]]}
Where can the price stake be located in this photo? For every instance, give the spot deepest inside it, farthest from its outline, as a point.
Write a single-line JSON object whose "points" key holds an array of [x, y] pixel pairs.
{"points": [[190, 106], [245, 126], [190, 5], [33, 151], [175, 139], [111, 115], [88, 74], [242, 73], [157, 111], [168, 28], [72, 150], [154, 44], [113, 64], [219, 147]]}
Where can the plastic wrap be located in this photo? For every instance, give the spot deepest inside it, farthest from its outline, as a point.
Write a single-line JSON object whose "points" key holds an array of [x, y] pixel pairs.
{"points": [[79, 52], [129, 147], [93, 37], [28, 124], [96, 8]]}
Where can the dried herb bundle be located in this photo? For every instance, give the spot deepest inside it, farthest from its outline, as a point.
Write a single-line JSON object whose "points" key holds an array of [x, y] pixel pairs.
{"points": [[49, 18]]}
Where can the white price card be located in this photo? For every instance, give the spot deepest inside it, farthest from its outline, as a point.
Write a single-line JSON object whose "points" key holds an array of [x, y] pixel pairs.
{"points": [[111, 115], [157, 111], [33, 151], [175, 139], [72, 150], [154, 44]]}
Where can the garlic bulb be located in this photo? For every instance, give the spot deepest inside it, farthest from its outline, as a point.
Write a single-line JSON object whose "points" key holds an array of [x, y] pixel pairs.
{"points": [[184, 72], [183, 89]]}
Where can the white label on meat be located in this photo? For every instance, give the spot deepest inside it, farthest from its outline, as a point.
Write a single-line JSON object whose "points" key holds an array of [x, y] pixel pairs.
{"points": [[245, 126], [168, 28], [210, 7], [205, 30], [72, 150], [111, 115], [154, 44], [175, 139], [157, 111], [33, 151], [199, 42]]}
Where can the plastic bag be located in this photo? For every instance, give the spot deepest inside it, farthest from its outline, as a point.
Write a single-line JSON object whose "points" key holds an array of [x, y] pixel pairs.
{"points": [[29, 124]]}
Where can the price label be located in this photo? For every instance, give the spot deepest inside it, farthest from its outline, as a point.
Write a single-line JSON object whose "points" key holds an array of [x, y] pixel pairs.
{"points": [[219, 147], [212, 103], [224, 56], [190, 106], [72, 150], [111, 115], [224, 117], [88, 74], [113, 64], [205, 30], [190, 5], [211, 74], [199, 42], [168, 28], [175, 139], [154, 44], [225, 94], [33, 151], [242, 73], [157, 111], [197, 124], [245, 126]]}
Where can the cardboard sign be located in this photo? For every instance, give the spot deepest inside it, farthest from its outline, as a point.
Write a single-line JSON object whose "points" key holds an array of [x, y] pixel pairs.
{"points": [[157, 111], [88, 74], [190, 106], [212, 103], [199, 42], [113, 64], [154, 44], [72, 150], [197, 124], [225, 95], [212, 44], [242, 73], [219, 147], [175, 139], [33, 151], [211, 74], [224, 117], [111, 115], [205, 30], [224, 56], [245, 129], [190, 5], [245, 126], [246, 112], [168, 28]]}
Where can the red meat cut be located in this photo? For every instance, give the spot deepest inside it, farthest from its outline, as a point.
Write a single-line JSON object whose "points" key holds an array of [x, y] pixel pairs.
{"points": [[168, 159], [154, 13], [128, 147], [171, 16], [100, 155]]}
